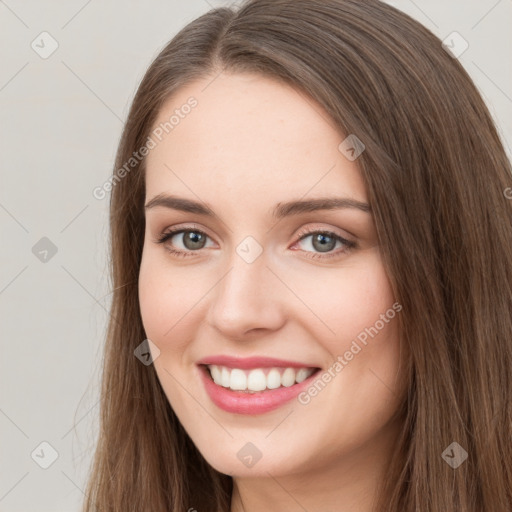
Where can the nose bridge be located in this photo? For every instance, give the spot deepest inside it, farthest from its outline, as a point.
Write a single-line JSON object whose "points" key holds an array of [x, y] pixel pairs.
{"points": [[245, 298]]}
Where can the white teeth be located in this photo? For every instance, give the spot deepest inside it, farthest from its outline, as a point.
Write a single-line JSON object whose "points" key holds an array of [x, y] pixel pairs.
{"points": [[225, 377], [216, 375], [273, 379], [257, 379], [288, 377], [238, 380], [302, 374]]}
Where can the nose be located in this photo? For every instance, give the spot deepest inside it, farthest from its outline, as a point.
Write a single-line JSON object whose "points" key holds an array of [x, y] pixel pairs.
{"points": [[247, 299]]}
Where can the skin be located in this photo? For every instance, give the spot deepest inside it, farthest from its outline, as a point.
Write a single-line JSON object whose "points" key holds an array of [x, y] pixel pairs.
{"points": [[251, 143]]}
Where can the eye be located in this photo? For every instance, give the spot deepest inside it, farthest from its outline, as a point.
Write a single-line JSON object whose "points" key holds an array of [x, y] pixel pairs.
{"points": [[325, 242], [193, 240]]}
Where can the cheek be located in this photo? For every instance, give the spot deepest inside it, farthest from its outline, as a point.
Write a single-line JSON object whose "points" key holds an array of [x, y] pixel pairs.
{"points": [[172, 303], [152, 293], [341, 306], [164, 299]]}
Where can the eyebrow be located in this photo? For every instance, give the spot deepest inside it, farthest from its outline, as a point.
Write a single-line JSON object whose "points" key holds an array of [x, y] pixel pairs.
{"points": [[280, 211]]}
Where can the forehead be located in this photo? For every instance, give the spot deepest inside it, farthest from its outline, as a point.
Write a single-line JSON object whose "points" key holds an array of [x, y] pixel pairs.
{"points": [[248, 136]]}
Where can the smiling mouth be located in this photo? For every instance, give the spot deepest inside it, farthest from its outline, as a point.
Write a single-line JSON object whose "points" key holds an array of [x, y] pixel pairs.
{"points": [[257, 380]]}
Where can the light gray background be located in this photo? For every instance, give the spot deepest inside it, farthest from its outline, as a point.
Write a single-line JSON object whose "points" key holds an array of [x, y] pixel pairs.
{"points": [[61, 120]]}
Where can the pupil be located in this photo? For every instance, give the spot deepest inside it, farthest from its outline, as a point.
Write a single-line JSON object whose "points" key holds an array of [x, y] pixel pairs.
{"points": [[194, 238], [323, 246]]}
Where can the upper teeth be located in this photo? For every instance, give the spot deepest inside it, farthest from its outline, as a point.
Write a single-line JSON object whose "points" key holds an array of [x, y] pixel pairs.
{"points": [[257, 379]]}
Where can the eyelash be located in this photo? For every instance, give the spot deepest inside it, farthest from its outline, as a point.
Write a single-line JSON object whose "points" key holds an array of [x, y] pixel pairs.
{"points": [[349, 245]]}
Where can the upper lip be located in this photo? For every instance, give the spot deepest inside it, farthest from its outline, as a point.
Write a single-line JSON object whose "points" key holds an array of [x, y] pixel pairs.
{"points": [[252, 362]]}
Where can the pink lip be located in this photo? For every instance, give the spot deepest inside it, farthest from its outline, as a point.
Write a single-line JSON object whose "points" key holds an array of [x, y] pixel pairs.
{"points": [[240, 402], [246, 363]]}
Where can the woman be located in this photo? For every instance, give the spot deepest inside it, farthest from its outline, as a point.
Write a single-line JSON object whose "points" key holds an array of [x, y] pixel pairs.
{"points": [[311, 234]]}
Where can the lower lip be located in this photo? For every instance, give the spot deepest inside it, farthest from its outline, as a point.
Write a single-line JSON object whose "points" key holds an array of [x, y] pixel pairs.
{"points": [[241, 402]]}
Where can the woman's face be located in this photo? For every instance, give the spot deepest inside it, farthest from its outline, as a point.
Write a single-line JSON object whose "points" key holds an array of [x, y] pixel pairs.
{"points": [[258, 294]]}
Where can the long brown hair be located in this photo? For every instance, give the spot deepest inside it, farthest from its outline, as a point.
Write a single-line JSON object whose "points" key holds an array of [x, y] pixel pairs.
{"points": [[437, 179]]}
